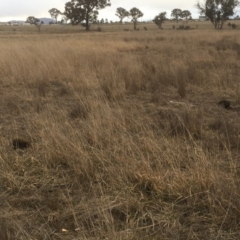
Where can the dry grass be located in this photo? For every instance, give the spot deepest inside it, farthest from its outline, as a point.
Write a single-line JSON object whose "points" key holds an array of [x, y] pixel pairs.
{"points": [[127, 140]]}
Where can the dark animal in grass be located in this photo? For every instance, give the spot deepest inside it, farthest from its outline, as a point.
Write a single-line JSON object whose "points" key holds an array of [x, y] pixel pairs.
{"points": [[19, 143], [225, 104]]}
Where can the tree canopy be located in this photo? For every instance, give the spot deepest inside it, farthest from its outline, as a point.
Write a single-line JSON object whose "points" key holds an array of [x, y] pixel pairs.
{"points": [[84, 10], [218, 11], [186, 14], [176, 13], [54, 13], [32, 20], [74, 13], [121, 13]]}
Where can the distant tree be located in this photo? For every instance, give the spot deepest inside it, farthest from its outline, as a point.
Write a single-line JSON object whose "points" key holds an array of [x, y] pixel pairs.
{"points": [[54, 13], [218, 11], [159, 19], [135, 13], [122, 13], [34, 21], [84, 10], [176, 13], [234, 26], [106, 21], [186, 15], [102, 21]]}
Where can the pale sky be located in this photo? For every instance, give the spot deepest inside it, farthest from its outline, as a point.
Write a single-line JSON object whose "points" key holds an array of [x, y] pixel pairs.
{"points": [[21, 9]]}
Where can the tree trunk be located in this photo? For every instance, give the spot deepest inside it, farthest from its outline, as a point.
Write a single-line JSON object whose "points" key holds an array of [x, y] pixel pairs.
{"points": [[38, 27], [87, 21], [222, 22], [135, 25]]}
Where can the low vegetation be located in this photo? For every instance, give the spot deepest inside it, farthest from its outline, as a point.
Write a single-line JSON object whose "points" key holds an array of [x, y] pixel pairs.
{"points": [[119, 135]]}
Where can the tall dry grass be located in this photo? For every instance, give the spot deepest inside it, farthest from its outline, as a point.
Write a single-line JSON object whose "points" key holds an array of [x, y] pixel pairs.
{"points": [[127, 139]]}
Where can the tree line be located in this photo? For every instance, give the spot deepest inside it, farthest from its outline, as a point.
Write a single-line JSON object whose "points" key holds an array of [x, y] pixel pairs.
{"points": [[86, 12]]}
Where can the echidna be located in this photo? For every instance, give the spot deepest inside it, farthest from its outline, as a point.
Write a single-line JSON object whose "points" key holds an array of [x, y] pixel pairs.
{"points": [[19, 143], [225, 104]]}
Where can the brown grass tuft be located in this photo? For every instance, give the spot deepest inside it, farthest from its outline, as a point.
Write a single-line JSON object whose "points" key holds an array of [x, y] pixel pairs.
{"points": [[80, 110]]}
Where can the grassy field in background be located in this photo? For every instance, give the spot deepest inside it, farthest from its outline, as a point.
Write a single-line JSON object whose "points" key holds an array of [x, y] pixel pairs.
{"points": [[114, 27], [127, 138]]}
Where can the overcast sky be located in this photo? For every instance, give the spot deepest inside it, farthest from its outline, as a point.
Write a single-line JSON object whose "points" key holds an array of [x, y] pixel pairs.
{"points": [[21, 9]]}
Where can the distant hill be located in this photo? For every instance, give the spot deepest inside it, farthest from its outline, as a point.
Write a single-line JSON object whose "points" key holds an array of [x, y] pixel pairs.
{"points": [[46, 20], [20, 21]]}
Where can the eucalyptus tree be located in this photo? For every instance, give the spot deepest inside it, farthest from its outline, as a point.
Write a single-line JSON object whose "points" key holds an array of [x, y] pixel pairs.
{"points": [[78, 11], [54, 13], [160, 19], [135, 14], [176, 13], [218, 11], [186, 15], [122, 13], [34, 21]]}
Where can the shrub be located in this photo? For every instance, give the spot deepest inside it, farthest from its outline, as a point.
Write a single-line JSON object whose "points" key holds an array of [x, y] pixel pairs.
{"points": [[183, 27], [233, 25]]}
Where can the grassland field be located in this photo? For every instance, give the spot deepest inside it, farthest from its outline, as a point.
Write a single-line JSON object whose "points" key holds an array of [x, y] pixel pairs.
{"points": [[127, 139]]}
